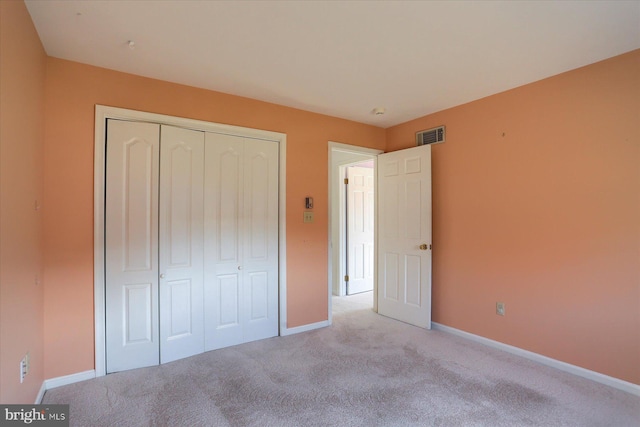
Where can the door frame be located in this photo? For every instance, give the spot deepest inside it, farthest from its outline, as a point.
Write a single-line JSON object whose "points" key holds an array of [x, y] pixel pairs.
{"points": [[340, 156], [102, 114]]}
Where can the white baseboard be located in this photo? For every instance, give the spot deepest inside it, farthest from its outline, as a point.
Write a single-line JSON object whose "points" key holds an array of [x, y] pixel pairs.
{"points": [[544, 360], [69, 379], [65, 380], [304, 328]]}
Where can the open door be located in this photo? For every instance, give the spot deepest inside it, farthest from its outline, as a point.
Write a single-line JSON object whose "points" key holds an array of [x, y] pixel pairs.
{"points": [[404, 235], [360, 224]]}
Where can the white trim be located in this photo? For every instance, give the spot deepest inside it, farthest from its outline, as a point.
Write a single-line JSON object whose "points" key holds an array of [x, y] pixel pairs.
{"points": [[354, 149], [98, 239], [64, 380], [282, 234], [341, 155], [103, 113], [544, 360], [341, 251], [40, 395], [69, 379], [304, 328]]}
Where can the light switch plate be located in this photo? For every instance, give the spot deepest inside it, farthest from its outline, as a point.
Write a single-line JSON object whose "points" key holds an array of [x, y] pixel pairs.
{"points": [[308, 217]]}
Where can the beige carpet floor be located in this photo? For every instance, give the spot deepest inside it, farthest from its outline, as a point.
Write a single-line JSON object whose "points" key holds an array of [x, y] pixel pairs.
{"points": [[364, 370]]}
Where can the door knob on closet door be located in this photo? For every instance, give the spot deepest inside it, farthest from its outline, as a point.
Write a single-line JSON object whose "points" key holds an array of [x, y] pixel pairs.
{"points": [[423, 247], [239, 267], [162, 276]]}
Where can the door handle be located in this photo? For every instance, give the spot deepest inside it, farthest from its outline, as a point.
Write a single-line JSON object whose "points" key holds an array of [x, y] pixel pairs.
{"points": [[424, 247], [162, 276]]}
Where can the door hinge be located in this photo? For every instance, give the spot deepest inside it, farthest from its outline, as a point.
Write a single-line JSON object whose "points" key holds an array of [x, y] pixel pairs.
{"points": [[346, 278], [346, 180]]}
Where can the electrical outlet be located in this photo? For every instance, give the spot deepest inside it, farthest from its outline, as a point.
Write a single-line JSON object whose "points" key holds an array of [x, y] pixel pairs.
{"points": [[500, 308]]}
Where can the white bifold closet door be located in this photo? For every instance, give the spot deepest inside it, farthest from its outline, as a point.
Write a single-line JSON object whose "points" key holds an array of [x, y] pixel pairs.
{"points": [[153, 244], [191, 242], [241, 240], [181, 243], [131, 245]]}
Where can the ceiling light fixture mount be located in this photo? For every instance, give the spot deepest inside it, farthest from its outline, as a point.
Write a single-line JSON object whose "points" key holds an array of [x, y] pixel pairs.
{"points": [[131, 44], [378, 111]]}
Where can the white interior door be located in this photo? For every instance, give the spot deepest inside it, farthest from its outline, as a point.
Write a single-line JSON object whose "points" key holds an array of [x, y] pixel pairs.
{"points": [[404, 235], [181, 243], [260, 240], [223, 275], [241, 240], [154, 244], [131, 245], [360, 226]]}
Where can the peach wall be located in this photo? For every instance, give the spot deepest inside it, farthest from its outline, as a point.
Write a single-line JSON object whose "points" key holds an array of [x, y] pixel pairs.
{"points": [[536, 203], [73, 89], [536, 200], [22, 79]]}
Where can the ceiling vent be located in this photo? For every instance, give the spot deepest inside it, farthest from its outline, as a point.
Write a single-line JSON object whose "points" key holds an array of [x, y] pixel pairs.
{"points": [[430, 136]]}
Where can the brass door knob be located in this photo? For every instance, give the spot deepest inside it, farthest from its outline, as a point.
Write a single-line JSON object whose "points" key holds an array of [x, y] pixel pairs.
{"points": [[423, 247]]}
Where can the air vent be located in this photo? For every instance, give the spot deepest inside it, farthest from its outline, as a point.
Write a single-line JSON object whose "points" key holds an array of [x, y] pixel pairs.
{"points": [[430, 136]]}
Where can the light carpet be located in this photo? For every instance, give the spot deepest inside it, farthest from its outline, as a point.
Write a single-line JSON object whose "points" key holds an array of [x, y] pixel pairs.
{"points": [[364, 370]]}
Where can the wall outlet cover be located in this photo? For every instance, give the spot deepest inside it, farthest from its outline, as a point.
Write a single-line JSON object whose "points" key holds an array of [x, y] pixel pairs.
{"points": [[308, 217]]}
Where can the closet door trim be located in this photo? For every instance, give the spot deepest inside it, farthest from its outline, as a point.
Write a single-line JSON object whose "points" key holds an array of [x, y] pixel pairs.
{"points": [[102, 114]]}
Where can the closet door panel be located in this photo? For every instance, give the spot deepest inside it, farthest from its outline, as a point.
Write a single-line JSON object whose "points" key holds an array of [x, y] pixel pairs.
{"points": [[228, 304], [260, 239], [138, 312], [259, 296], [224, 221], [180, 311], [257, 203], [131, 245], [181, 243], [227, 179]]}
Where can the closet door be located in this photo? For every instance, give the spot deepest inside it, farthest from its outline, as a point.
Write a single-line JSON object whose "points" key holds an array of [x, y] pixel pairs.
{"points": [[223, 224], [241, 240], [181, 243], [153, 244], [260, 240], [131, 245]]}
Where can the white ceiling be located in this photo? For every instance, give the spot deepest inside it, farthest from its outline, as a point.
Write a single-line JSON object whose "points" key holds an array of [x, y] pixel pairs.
{"points": [[342, 58]]}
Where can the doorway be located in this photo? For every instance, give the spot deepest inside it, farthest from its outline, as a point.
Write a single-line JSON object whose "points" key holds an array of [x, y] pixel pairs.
{"points": [[402, 236], [340, 157]]}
